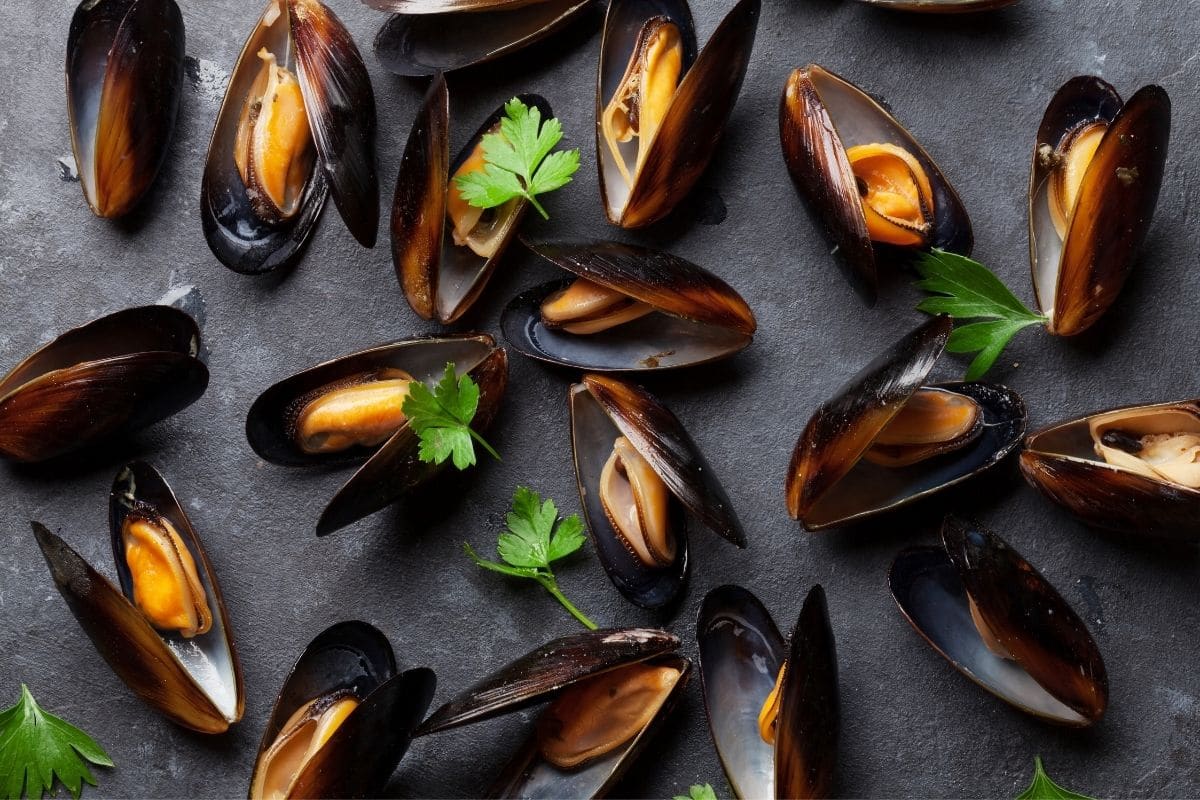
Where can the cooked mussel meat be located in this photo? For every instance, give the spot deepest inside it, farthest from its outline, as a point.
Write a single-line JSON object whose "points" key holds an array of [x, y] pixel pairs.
{"points": [[166, 586], [896, 196], [1164, 445], [361, 411], [931, 423], [637, 504], [481, 229], [302, 737]]}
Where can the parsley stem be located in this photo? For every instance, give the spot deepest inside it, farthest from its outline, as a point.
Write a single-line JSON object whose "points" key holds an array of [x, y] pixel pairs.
{"points": [[551, 586], [484, 444], [538, 206]]}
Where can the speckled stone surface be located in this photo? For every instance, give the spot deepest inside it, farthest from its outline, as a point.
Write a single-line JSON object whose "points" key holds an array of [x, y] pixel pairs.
{"points": [[972, 89]]}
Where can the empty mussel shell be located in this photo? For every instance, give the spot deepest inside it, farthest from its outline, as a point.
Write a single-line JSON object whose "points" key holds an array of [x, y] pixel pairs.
{"points": [[1097, 167], [633, 670], [444, 249], [112, 376], [685, 315], [660, 107], [639, 474], [873, 187], [169, 641], [886, 439], [124, 81], [741, 655], [297, 123], [349, 409], [1000, 623], [1133, 469], [343, 719], [423, 38]]}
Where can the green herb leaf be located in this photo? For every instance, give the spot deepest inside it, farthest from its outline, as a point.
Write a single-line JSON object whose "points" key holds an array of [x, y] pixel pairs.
{"points": [[698, 791], [966, 290], [535, 539], [37, 747], [1042, 788], [442, 419], [518, 161]]}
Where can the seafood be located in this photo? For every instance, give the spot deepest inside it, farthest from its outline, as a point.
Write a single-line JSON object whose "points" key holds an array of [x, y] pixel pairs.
{"points": [[940, 6]]}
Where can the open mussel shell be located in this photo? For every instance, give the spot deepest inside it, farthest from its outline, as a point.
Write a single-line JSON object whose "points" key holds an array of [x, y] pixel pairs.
{"points": [[695, 118], [441, 279], [604, 408], [1055, 670], [423, 42], [741, 651], [699, 319], [392, 469], [1078, 274], [195, 682], [308, 40], [830, 483], [940, 6], [124, 81], [821, 115], [115, 375], [1061, 461], [360, 756]]}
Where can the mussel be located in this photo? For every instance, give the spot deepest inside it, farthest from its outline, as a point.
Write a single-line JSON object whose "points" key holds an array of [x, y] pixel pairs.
{"points": [[1000, 623], [297, 123], [164, 631], [940, 6], [639, 475], [887, 439], [1134, 469], [444, 249], [660, 107], [424, 37], [627, 309], [113, 376], [1097, 167], [350, 409], [343, 719], [124, 81], [874, 188], [609, 689], [772, 707]]}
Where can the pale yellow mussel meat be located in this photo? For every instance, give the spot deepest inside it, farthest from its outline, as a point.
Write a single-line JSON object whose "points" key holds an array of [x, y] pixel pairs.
{"points": [[768, 716], [166, 586], [481, 229], [599, 715], [273, 148], [638, 505], [1164, 445], [585, 308], [1069, 162], [301, 738], [897, 198], [931, 423], [362, 412], [990, 641], [638, 106]]}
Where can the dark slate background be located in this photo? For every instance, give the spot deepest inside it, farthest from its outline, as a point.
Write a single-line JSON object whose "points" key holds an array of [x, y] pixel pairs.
{"points": [[972, 89]]}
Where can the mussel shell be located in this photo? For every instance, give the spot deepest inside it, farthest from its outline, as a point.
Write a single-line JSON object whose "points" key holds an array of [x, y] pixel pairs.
{"points": [[702, 319], [529, 776], [132, 648], [820, 115], [535, 676], [413, 44], [237, 236], [1116, 199], [940, 6], [1061, 463], [364, 751], [423, 7], [115, 375], [1057, 673], [124, 58], [593, 430], [692, 127], [440, 279]]}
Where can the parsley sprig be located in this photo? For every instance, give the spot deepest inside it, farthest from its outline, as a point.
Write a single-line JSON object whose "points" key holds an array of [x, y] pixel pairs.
{"points": [[535, 538], [442, 419], [37, 747], [518, 161], [1042, 788], [698, 791], [967, 290]]}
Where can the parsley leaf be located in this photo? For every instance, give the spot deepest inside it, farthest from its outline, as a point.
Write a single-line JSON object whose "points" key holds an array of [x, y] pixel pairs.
{"points": [[518, 161], [1042, 788], [536, 538], [966, 289], [36, 747], [442, 419], [698, 791]]}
